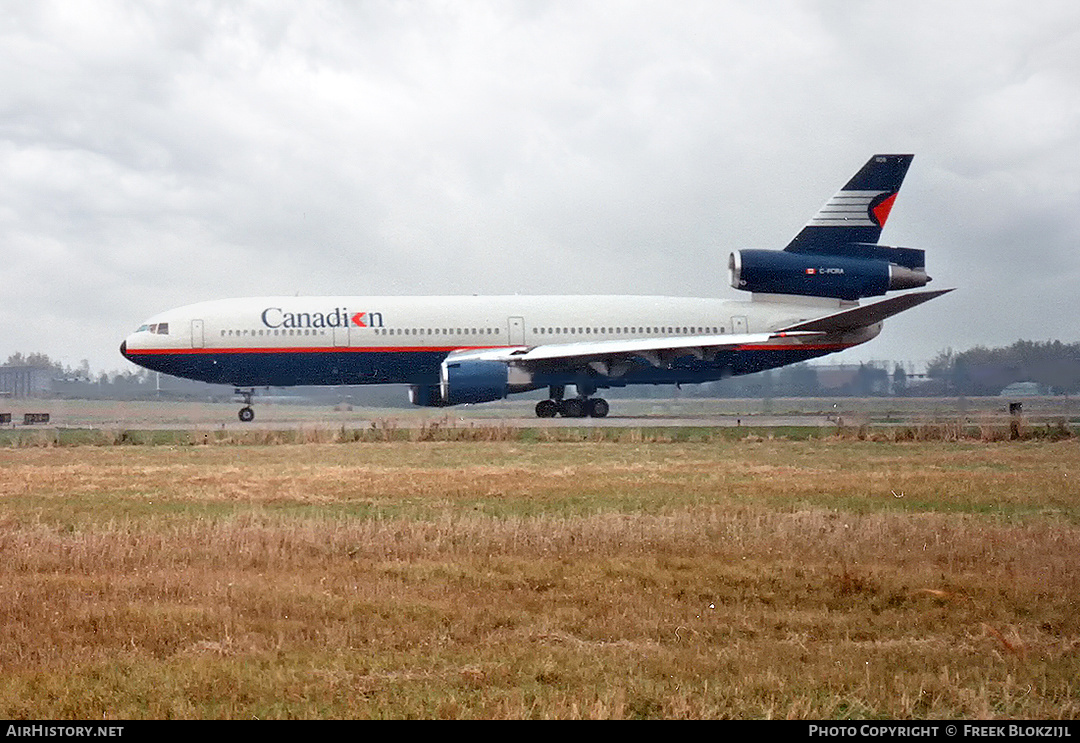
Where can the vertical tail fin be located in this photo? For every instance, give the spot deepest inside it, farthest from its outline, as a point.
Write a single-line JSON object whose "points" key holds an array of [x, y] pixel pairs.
{"points": [[858, 211], [837, 254]]}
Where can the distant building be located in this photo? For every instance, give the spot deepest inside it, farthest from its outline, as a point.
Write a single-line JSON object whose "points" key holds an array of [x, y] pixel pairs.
{"points": [[853, 379], [1024, 389], [25, 381], [834, 377]]}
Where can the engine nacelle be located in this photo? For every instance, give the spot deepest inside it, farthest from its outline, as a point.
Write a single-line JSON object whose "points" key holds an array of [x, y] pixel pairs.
{"points": [[474, 381], [426, 395], [464, 381], [466, 378], [818, 275]]}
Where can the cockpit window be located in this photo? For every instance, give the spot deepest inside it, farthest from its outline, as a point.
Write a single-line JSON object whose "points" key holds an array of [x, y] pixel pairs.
{"points": [[159, 328]]}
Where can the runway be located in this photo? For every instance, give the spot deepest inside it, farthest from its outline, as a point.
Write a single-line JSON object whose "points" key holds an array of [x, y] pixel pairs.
{"points": [[799, 413]]}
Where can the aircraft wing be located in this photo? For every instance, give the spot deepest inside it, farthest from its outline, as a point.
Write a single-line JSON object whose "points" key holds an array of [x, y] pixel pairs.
{"points": [[607, 355], [654, 350], [659, 351], [867, 314]]}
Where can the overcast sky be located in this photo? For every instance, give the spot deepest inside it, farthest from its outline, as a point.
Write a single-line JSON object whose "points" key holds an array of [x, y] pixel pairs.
{"points": [[154, 154]]}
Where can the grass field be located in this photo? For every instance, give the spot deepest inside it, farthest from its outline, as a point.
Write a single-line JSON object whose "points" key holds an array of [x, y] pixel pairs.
{"points": [[647, 574]]}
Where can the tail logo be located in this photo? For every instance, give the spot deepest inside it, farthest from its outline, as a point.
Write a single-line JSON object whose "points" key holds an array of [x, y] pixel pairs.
{"points": [[855, 209], [880, 208]]}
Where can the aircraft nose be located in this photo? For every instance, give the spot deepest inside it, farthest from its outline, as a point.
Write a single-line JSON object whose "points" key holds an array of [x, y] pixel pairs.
{"points": [[123, 349]]}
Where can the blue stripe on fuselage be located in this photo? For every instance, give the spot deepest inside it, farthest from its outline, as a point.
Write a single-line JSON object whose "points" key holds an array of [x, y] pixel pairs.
{"points": [[332, 366]]}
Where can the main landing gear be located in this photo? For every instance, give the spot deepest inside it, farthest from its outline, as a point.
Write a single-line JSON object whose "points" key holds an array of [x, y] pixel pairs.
{"points": [[247, 413], [575, 407]]}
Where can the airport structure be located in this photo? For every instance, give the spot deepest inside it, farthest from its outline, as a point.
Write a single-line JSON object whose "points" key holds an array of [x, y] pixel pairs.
{"points": [[25, 381]]}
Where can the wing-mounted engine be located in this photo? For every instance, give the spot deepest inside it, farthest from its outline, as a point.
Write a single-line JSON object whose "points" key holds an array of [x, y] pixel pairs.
{"points": [[474, 380], [464, 381], [468, 377], [877, 270]]}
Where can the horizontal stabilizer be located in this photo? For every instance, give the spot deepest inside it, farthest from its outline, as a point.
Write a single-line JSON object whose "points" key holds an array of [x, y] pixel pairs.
{"points": [[867, 314]]}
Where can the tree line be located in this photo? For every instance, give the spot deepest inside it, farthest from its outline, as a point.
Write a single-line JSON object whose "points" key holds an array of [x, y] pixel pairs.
{"points": [[1053, 366]]}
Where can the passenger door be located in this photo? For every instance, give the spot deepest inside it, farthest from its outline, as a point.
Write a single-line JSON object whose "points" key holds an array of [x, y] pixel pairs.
{"points": [[516, 329], [341, 336]]}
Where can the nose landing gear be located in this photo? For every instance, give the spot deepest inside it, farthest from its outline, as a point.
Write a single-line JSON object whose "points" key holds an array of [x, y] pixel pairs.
{"points": [[247, 413]]}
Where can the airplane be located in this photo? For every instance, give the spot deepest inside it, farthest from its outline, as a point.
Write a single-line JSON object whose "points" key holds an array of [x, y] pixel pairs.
{"points": [[452, 350]]}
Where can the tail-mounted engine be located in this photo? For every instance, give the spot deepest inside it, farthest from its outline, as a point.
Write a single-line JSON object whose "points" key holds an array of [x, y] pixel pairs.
{"points": [[876, 270]]}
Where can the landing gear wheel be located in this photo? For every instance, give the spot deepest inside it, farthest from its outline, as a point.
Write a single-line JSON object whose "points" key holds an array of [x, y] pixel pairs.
{"points": [[547, 409], [573, 408], [598, 408], [246, 415]]}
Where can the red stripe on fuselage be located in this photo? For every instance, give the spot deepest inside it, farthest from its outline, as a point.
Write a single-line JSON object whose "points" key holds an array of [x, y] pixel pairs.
{"points": [[439, 349], [311, 349]]}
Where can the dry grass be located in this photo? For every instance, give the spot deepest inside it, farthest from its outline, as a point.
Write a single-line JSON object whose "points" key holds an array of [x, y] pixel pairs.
{"points": [[829, 578]]}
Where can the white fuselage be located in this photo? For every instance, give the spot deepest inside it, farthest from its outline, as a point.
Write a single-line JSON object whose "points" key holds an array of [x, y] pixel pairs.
{"points": [[455, 322], [282, 341]]}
